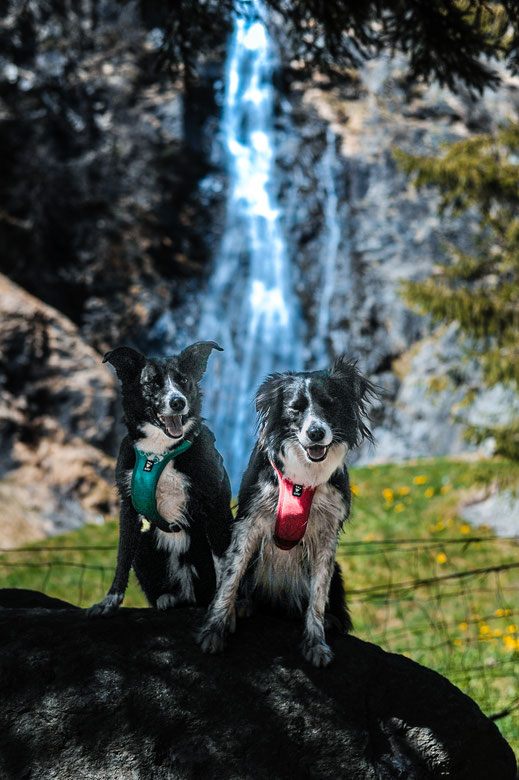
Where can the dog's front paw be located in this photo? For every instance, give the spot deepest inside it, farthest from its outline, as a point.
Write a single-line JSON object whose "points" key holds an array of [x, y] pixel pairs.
{"points": [[317, 653], [211, 639], [106, 607]]}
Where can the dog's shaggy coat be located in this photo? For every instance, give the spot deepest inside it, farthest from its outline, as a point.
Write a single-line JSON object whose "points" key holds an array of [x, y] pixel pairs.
{"points": [[307, 423]]}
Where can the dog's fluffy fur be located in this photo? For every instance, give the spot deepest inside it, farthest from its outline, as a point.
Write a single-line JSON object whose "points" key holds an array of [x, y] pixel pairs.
{"points": [[307, 423], [161, 402]]}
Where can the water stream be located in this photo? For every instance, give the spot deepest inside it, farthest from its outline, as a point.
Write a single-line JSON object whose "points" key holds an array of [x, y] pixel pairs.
{"points": [[250, 306]]}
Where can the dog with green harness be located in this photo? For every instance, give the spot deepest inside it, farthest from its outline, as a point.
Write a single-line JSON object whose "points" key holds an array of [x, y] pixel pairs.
{"points": [[175, 516]]}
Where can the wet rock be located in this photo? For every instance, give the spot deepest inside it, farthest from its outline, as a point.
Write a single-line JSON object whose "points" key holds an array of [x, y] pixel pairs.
{"points": [[133, 697]]}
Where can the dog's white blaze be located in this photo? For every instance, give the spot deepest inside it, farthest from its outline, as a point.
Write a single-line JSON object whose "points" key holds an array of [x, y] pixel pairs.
{"points": [[311, 418], [174, 392], [297, 468]]}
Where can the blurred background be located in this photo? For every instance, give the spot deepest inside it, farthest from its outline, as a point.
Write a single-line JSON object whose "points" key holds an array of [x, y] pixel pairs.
{"points": [[295, 181]]}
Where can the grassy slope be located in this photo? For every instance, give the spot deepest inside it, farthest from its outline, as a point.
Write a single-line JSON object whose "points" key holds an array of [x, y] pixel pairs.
{"points": [[404, 535]]}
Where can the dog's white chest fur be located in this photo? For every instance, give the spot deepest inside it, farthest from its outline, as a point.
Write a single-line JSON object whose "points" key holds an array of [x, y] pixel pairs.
{"points": [[284, 575]]}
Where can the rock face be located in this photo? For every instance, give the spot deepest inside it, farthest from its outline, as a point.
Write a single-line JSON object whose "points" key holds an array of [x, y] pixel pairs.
{"points": [[57, 406], [133, 697]]}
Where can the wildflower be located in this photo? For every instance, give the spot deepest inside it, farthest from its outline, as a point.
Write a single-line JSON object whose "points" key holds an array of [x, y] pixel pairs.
{"points": [[399, 507], [465, 528], [440, 525], [429, 493], [499, 612], [497, 632], [354, 489], [388, 494], [369, 537], [441, 558], [404, 490], [458, 642], [420, 480], [463, 626], [484, 527], [484, 629], [512, 629], [511, 643], [445, 489]]}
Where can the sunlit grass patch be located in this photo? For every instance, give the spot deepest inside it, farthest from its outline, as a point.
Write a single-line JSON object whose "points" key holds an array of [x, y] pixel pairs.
{"points": [[425, 583]]}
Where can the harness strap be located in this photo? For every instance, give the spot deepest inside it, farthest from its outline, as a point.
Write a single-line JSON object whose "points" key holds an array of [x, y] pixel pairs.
{"points": [[293, 510], [146, 474]]}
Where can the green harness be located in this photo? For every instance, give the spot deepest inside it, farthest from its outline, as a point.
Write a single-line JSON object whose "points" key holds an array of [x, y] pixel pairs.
{"points": [[146, 473]]}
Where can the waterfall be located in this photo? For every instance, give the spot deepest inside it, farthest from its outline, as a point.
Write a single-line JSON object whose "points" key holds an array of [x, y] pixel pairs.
{"points": [[250, 306]]}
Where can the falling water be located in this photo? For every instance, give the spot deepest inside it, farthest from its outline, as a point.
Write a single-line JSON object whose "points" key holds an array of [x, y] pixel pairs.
{"points": [[250, 307]]}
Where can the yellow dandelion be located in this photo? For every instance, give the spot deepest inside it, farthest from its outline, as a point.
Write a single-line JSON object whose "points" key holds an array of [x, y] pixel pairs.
{"points": [[368, 538], [510, 643], [507, 612], [421, 479], [404, 490], [354, 489], [440, 525], [465, 528], [399, 507], [445, 488], [441, 558], [432, 528], [499, 612], [458, 642], [388, 494], [512, 629], [484, 629], [497, 632], [429, 493], [463, 626], [484, 527]]}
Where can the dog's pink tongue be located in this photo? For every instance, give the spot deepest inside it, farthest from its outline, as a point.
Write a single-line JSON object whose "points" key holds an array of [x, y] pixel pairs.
{"points": [[173, 425], [294, 504]]}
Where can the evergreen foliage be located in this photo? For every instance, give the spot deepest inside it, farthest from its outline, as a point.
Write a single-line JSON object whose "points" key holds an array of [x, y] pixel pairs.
{"points": [[478, 289]]}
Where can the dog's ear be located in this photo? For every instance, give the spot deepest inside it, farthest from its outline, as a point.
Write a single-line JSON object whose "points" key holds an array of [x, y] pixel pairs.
{"points": [[359, 390], [193, 359], [128, 363], [268, 396]]}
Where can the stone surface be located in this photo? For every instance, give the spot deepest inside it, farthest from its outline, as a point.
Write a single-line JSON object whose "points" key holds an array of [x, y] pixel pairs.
{"points": [[499, 511], [132, 697], [57, 407]]}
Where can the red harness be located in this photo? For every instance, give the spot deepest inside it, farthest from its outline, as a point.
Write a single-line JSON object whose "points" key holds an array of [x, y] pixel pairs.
{"points": [[294, 504]]}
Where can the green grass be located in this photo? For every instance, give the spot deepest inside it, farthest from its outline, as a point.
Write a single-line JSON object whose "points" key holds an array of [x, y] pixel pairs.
{"points": [[402, 555]]}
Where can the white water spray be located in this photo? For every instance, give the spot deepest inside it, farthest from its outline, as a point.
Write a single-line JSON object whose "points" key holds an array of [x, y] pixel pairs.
{"points": [[250, 307]]}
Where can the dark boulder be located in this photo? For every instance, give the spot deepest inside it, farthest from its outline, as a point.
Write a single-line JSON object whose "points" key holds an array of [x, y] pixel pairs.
{"points": [[133, 697]]}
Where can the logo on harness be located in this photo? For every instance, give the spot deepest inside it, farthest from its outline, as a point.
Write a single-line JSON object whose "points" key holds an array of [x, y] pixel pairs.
{"points": [[297, 490], [148, 465]]}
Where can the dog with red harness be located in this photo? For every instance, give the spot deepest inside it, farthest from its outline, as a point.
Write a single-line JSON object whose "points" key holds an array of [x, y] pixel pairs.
{"points": [[294, 499]]}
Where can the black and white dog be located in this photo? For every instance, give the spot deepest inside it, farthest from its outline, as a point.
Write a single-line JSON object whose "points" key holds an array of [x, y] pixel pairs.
{"points": [[294, 498], [175, 519]]}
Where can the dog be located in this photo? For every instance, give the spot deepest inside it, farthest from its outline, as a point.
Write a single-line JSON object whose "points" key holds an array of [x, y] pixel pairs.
{"points": [[293, 501], [175, 516]]}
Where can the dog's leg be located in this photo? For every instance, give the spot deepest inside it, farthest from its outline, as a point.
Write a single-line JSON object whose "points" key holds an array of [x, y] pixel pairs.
{"points": [[221, 612], [337, 615], [129, 535], [314, 646]]}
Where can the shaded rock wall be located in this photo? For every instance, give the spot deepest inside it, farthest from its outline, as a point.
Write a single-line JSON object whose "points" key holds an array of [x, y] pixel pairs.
{"points": [[133, 697]]}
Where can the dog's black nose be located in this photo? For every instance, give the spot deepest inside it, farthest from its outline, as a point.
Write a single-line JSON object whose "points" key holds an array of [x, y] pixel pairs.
{"points": [[315, 433], [177, 403]]}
